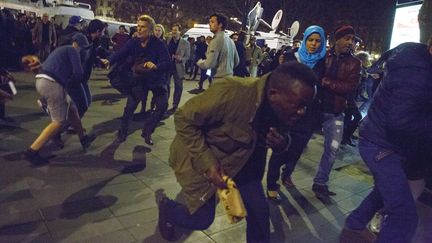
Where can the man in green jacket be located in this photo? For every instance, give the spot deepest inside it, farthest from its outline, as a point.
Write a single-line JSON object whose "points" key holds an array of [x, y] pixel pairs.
{"points": [[226, 131]]}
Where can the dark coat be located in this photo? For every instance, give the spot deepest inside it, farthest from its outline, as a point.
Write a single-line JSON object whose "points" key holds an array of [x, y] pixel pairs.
{"points": [[241, 69], [155, 51], [400, 117], [343, 71]]}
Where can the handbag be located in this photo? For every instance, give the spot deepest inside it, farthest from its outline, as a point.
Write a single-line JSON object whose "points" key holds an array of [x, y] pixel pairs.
{"points": [[232, 201], [121, 77]]}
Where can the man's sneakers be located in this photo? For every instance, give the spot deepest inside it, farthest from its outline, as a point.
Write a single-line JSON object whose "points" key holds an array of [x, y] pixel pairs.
{"points": [[322, 192], [34, 158], [87, 140], [357, 236], [166, 229]]}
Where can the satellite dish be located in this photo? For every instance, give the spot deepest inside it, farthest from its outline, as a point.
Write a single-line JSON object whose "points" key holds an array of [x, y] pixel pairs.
{"points": [[277, 19], [293, 31], [254, 16]]}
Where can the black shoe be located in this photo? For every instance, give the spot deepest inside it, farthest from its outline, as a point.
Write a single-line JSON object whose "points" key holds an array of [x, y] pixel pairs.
{"points": [[165, 115], [199, 91], [274, 196], [166, 229], [330, 193], [121, 136], [57, 141], [321, 192], [147, 137], [87, 140], [35, 158], [348, 142]]}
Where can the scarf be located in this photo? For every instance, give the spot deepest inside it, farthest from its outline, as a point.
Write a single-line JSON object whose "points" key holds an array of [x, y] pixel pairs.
{"points": [[310, 59]]}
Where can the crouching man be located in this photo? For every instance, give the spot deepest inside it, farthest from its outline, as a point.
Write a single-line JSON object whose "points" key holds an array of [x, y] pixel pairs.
{"points": [[227, 131]]}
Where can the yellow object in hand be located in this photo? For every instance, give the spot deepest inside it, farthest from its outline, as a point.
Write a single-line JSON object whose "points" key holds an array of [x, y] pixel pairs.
{"points": [[232, 201]]}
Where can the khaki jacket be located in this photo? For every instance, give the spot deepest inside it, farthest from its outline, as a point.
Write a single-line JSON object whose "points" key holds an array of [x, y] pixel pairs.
{"points": [[214, 127], [254, 55]]}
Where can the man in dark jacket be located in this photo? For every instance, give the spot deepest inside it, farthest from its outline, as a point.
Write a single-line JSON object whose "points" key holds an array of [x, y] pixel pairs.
{"points": [[397, 129], [74, 26], [151, 62], [341, 78]]}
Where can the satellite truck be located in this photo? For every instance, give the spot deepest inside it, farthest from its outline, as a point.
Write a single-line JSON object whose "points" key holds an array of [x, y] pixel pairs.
{"points": [[61, 10], [273, 39]]}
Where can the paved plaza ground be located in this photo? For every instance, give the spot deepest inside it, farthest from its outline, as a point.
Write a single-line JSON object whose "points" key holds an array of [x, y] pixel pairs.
{"points": [[107, 193]]}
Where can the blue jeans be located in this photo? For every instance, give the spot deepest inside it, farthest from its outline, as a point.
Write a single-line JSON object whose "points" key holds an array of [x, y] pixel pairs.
{"points": [[333, 130], [390, 193], [258, 219]]}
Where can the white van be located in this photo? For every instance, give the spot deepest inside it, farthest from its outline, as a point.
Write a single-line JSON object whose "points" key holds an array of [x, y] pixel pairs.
{"points": [[199, 30]]}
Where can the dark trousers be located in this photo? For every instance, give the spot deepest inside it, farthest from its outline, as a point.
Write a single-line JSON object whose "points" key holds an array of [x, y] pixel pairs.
{"points": [[44, 51], [299, 140], [300, 133], [144, 102], [134, 98], [258, 219], [178, 88], [391, 193], [351, 121], [81, 95], [203, 77], [195, 71], [2, 110]]}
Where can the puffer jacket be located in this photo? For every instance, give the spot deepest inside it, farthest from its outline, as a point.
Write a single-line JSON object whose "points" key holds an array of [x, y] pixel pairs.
{"points": [[400, 117], [343, 71]]}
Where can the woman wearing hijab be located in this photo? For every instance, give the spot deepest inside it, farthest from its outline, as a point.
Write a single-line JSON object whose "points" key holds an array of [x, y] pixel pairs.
{"points": [[312, 53]]}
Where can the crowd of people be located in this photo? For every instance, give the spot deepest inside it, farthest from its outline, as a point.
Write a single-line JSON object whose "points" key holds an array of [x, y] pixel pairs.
{"points": [[259, 99]]}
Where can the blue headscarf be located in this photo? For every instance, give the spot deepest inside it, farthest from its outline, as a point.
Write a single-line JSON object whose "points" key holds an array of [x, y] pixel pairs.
{"points": [[310, 59]]}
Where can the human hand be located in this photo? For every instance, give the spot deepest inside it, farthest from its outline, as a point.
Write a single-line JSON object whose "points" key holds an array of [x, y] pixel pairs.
{"points": [[149, 65], [31, 63], [325, 82], [375, 75], [105, 62], [215, 174], [200, 61], [275, 140], [281, 59]]}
